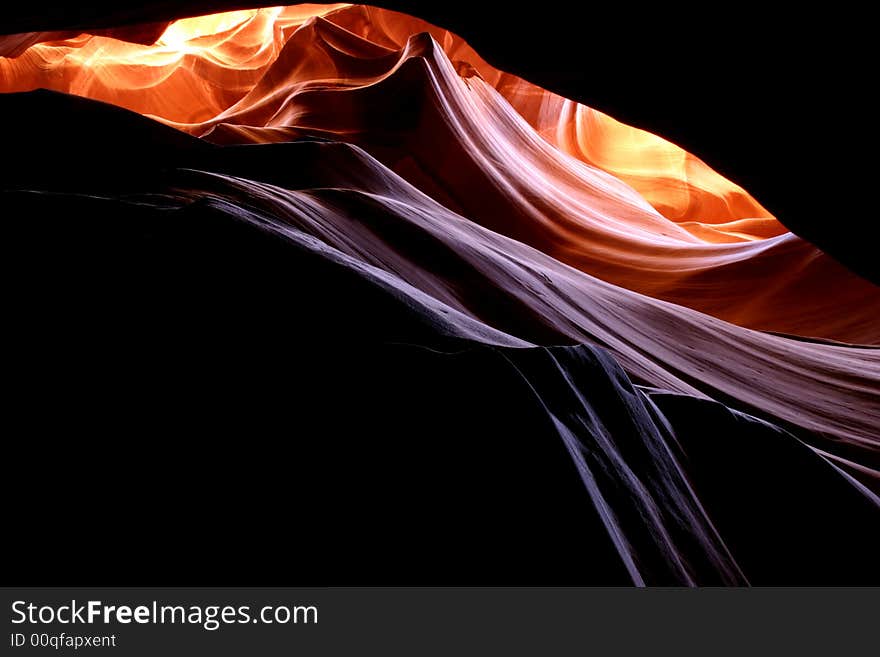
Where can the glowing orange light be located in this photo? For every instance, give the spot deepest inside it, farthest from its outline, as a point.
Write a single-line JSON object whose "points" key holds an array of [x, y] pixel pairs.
{"points": [[179, 33], [199, 67]]}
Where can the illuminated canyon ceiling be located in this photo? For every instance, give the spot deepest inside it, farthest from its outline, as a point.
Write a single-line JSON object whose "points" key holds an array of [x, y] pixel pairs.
{"points": [[511, 217]]}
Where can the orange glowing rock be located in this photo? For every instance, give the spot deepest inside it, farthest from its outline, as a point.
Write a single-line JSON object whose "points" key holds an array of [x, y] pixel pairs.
{"points": [[197, 67], [201, 66], [609, 199]]}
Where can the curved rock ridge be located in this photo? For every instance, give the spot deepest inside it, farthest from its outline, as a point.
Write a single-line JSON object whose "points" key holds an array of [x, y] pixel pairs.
{"points": [[608, 199], [500, 289], [360, 208], [328, 255]]}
